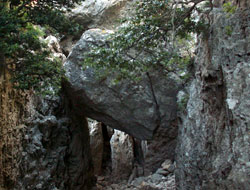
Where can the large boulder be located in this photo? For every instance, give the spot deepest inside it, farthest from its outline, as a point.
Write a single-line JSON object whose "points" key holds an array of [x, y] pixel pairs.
{"points": [[136, 108]]}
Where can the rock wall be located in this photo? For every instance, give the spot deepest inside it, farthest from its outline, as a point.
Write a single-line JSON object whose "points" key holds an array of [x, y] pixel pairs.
{"points": [[44, 144], [238, 3], [213, 141], [56, 152], [14, 108]]}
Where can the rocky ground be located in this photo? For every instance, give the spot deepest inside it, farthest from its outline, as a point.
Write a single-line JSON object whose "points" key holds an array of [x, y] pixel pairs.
{"points": [[152, 182], [162, 179]]}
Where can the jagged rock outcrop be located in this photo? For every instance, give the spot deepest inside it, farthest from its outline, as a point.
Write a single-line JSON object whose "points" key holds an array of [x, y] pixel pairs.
{"points": [[213, 142], [135, 108], [122, 155], [43, 143], [55, 145], [54, 46], [96, 145], [56, 152], [100, 13]]}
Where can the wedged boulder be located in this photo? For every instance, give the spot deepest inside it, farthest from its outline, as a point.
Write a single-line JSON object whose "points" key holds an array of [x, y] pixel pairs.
{"points": [[135, 108]]}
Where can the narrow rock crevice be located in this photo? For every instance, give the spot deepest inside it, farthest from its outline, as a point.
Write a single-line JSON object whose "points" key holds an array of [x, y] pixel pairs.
{"points": [[157, 107]]}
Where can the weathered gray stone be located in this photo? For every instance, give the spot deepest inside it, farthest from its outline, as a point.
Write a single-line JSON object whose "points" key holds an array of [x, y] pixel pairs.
{"points": [[54, 46], [56, 152], [96, 145], [122, 155], [100, 13], [136, 108], [151, 182], [104, 14], [156, 178], [163, 172], [213, 145], [171, 168], [154, 182], [138, 181], [166, 164]]}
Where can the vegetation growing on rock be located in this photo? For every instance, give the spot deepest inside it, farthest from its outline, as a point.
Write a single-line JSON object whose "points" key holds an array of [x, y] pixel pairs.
{"points": [[153, 38], [22, 50]]}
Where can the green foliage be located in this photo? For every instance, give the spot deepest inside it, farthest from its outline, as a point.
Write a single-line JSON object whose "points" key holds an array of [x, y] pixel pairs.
{"points": [[26, 55], [228, 30], [54, 20], [148, 40], [229, 8], [182, 103]]}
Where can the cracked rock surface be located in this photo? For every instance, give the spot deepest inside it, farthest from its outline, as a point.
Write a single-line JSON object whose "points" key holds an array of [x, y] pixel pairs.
{"points": [[213, 141], [135, 108]]}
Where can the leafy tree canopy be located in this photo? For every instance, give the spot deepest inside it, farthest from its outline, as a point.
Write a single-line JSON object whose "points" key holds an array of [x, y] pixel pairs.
{"points": [[20, 45], [158, 35]]}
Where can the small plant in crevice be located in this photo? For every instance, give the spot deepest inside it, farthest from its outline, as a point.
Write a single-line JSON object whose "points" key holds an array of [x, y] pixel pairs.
{"points": [[229, 8], [228, 30], [182, 101]]}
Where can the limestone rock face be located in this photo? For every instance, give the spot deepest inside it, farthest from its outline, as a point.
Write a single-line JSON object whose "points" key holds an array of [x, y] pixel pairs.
{"points": [[213, 145], [41, 147], [15, 106], [101, 13], [136, 108], [43, 144], [96, 145], [56, 153], [54, 46], [122, 155]]}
